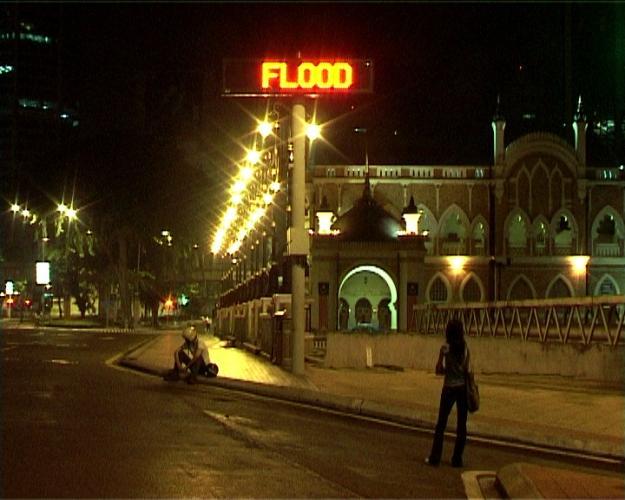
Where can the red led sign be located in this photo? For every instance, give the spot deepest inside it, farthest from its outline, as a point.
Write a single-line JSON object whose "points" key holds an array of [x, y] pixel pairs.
{"points": [[322, 76], [272, 77]]}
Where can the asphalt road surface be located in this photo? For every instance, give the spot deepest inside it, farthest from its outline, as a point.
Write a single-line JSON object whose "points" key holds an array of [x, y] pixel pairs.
{"points": [[74, 425]]}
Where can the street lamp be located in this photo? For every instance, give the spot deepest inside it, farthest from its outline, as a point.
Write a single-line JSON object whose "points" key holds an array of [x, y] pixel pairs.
{"points": [[313, 131]]}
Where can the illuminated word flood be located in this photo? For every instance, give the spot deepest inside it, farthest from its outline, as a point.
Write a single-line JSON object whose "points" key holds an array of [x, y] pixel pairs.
{"points": [[307, 76]]}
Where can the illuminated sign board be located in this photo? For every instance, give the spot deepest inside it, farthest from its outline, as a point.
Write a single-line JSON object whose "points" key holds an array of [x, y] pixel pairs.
{"points": [[282, 77], [42, 273]]}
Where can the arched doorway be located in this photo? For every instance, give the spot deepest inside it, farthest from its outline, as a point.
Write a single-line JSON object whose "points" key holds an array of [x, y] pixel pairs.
{"points": [[373, 285], [384, 315], [343, 314], [364, 312]]}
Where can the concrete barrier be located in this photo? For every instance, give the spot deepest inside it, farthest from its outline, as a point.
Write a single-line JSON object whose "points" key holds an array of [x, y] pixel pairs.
{"points": [[489, 355]]}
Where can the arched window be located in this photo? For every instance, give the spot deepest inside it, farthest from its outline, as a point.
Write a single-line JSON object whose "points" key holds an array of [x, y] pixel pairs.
{"points": [[563, 239], [541, 237], [558, 289], [471, 292], [479, 238], [521, 290], [606, 230], [517, 235], [607, 287], [453, 231], [438, 290]]}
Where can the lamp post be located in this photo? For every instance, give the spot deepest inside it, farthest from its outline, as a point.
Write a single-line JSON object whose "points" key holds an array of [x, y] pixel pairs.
{"points": [[297, 238]]}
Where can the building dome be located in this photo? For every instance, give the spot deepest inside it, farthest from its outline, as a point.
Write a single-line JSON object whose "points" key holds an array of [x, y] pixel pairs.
{"points": [[367, 220]]}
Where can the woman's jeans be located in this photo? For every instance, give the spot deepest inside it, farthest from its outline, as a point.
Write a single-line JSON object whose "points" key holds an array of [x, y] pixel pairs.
{"points": [[449, 396]]}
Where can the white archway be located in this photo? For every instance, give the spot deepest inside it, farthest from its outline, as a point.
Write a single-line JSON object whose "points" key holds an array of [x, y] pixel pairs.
{"points": [[387, 279], [607, 277]]}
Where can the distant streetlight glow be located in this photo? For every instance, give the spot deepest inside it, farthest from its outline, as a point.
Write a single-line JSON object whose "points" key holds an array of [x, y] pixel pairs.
{"points": [[15, 208], [264, 129], [253, 157], [246, 173]]}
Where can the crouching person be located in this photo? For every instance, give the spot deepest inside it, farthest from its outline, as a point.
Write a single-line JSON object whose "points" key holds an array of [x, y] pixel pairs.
{"points": [[191, 358]]}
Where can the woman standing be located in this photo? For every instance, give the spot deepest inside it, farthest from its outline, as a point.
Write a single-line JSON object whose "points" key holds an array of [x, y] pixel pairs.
{"points": [[453, 362]]}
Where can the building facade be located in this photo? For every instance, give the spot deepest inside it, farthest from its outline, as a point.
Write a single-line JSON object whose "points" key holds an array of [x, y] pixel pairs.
{"points": [[538, 222]]}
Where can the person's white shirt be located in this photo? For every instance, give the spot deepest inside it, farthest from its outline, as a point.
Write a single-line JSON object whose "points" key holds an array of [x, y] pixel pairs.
{"points": [[203, 350], [200, 348]]}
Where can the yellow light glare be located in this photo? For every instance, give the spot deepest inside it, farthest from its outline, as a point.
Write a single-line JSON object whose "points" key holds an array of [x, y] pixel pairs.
{"points": [[267, 197], [15, 208], [257, 214], [62, 208], [457, 263], [253, 157], [313, 131], [246, 173], [238, 187], [579, 262], [275, 186], [264, 129], [230, 215], [26, 213], [236, 199], [232, 249]]}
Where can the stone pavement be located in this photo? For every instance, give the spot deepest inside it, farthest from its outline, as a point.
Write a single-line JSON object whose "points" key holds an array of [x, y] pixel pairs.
{"points": [[554, 412]]}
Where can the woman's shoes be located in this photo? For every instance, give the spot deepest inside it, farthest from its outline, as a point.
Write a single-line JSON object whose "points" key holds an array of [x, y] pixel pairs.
{"points": [[455, 462]]}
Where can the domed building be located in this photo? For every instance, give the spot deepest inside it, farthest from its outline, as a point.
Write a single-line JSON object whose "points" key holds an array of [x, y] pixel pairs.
{"points": [[363, 267], [538, 222]]}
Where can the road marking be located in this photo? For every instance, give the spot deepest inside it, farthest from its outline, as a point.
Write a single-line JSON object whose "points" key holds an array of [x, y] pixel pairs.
{"points": [[112, 363], [230, 423], [60, 362]]}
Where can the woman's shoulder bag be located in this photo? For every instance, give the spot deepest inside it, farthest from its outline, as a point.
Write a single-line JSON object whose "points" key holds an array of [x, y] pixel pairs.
{"points": [[473, 392]]}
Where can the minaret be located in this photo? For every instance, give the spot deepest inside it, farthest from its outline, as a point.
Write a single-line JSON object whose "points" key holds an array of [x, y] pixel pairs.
{"points": [[579, 126], [499, 125]]}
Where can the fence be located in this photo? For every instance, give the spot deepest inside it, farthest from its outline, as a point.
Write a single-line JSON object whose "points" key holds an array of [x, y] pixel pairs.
{"points": [[585, 320]]}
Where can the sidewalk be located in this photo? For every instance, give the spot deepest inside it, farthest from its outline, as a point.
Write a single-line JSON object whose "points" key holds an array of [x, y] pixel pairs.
{"points": [[536, 410]]}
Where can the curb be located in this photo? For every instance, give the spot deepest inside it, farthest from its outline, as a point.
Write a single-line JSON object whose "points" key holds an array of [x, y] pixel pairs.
{"points": [[515, 484], [398, 415]]}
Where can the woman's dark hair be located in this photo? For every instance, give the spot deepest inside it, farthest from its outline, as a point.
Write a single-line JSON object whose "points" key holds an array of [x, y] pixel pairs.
{"points": [[454, 334]]}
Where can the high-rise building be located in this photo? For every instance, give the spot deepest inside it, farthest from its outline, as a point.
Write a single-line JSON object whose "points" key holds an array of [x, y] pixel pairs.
{"points": [[36, 116], [37, 123]]}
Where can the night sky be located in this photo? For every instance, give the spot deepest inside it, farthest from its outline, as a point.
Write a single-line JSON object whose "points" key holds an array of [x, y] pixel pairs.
{"points": [[438, 70], [439, 67]]}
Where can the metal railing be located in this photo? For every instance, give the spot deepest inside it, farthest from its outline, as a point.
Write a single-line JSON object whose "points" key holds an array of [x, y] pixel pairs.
{"points": [[585, 320]]}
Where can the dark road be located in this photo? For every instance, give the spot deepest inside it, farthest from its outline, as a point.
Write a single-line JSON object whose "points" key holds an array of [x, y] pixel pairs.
{"points": [[75, 426]]}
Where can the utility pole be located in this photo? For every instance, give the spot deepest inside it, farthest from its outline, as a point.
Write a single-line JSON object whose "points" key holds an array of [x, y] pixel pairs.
{"points": [[297, 238]]}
